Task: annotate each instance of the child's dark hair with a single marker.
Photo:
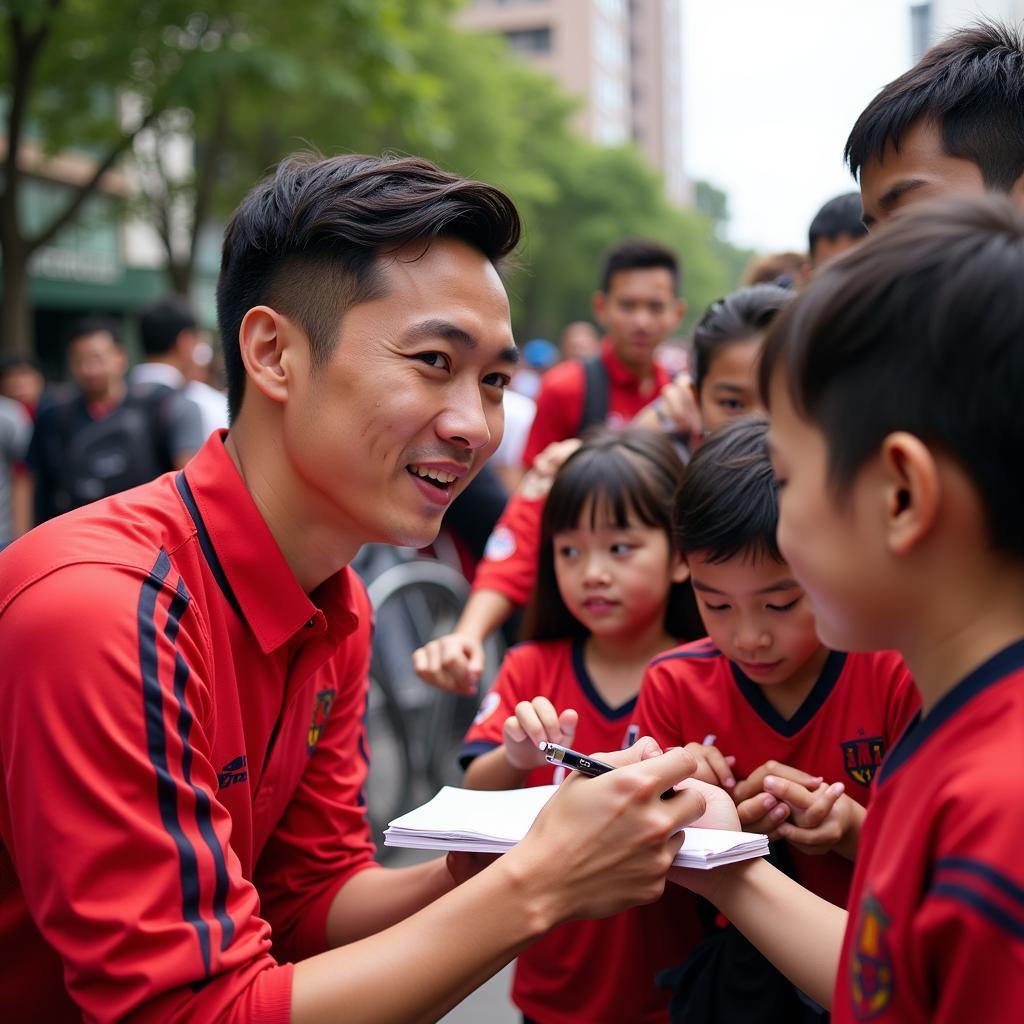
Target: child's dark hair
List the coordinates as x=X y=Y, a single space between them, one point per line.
x=618 y=477
x=728 y=504
x=971 y=84
x=920 y=330
x=161 y=322
x=738 y=316
x=640 y=254
x=841 y=215
x=306 y=240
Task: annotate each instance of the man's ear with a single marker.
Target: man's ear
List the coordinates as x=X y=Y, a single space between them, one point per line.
x=680 y=311
x=600 y=303
x=912 y=491
x=270 y=350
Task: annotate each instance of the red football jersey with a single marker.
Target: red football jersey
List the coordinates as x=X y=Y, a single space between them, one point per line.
x=936 y=928
x=560 y=399
x=585 y=972
x=182 y=757
x=855 y=712
x=509 y=565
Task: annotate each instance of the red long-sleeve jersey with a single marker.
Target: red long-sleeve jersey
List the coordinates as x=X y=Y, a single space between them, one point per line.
x=182 y=757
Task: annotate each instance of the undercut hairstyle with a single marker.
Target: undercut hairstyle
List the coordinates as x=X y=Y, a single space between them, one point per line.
x=971 y=84
x=307 y=241
x=737 y=317
x=640 y=254
x=918 y=330
x=728 y=505
x=614 y=479
x=843 y=215
x=95 y=323
x=161 y=322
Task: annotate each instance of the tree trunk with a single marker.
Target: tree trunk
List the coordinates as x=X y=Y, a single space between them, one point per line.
x=16 y=323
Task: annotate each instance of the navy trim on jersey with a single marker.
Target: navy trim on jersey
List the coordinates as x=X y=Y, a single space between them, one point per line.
x=969 y=866
x=473 y=750
x=204 y=816
x=206 y=544
x=825 y=684
x=590 y=690
x=704 y=649
x=998 y=667
x=156 y=745
x=982 y=904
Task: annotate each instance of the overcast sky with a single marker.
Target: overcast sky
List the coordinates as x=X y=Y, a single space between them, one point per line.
x=771 y=92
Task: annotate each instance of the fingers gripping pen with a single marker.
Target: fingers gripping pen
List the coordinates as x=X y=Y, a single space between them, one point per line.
x=559 y=755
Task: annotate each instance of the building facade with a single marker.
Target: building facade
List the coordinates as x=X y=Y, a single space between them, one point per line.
x=621 y=58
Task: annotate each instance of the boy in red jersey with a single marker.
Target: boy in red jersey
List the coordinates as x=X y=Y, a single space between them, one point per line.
x=896 y=437
x=184 y=665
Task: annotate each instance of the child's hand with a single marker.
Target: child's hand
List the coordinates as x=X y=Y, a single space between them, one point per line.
x=819 y=820
x=759 y=810
x=712 y=766
x=536 y=722
x=753 y=784
x=452 y=662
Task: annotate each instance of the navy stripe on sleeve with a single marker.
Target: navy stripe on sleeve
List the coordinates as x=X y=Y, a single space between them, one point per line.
x=982 y=904
x=968 y=866
x=156 y=743
x=204 y=818
x=471 y=751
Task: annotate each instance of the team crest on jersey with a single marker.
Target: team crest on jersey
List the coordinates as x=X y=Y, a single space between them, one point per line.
x=500 y=545
x=863 y=757
x=487 y=707
x=321 y=712
x=871 y=962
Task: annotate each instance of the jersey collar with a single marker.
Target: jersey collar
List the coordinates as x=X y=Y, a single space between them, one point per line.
x=1002 y=664
x=245 y=560
x=591 y=692
x=622 y=377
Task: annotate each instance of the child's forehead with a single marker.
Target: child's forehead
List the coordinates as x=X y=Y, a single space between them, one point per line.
x=747 y=572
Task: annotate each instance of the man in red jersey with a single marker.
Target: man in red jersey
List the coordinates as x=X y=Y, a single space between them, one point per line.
x=185 y=663
x=900 y=518
x=639 y=307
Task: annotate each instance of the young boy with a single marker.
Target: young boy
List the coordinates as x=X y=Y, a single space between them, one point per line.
x=894 y=385
x=763 y=688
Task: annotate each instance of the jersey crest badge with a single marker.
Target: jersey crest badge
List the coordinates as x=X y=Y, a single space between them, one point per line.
x=871 y=962
x=500 y=545
x=863 y=757
x=487 y=707
x=321 y=712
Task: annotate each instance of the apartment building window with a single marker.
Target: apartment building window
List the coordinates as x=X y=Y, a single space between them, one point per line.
x=530 y=40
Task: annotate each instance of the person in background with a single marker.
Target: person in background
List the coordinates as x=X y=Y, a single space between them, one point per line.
x=579 y=340
x=539 y=355
x=22 y=380
x=836 y=228
x=507 y=461
x=785 y=269
x=15 y=431
x=639 y=306
x=170 y=339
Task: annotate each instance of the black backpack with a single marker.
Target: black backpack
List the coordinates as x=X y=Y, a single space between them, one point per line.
x=127 y=448
x=595 y=393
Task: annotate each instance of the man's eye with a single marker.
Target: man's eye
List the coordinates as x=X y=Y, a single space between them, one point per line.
x=789 y=606
x=438 y=359
x=498 y=380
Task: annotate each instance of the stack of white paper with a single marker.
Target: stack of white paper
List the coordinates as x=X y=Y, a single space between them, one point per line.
x=493 y=821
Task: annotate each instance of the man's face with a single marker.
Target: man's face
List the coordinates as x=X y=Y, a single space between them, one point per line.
x=835 y=548
x=639 y=311
x=97 y=363
x=409 y=405
x=919 y=170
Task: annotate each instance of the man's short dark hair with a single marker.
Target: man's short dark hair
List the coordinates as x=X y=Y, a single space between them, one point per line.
x=306 y=240
x=727 y=505
x=971 y=85
x=161 y=322
x=919 y=329
x=640 y=254
x=95 y=323
x=842 y=215
x=736 y=317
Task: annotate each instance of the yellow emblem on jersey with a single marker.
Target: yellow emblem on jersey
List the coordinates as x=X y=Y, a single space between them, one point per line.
x=871 y=962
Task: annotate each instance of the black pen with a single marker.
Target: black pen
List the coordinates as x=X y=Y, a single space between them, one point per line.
x=556 y=754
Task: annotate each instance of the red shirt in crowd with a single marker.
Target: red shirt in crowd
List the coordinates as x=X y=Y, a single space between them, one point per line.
x=560 y=400
x=182 y=757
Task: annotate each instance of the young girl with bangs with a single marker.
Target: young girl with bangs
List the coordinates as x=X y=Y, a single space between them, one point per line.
x=612 y=592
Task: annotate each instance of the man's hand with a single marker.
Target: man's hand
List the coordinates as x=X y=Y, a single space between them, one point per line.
x=453 y=662
x=712 y=766
x=604 y=844
x=536 y=721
